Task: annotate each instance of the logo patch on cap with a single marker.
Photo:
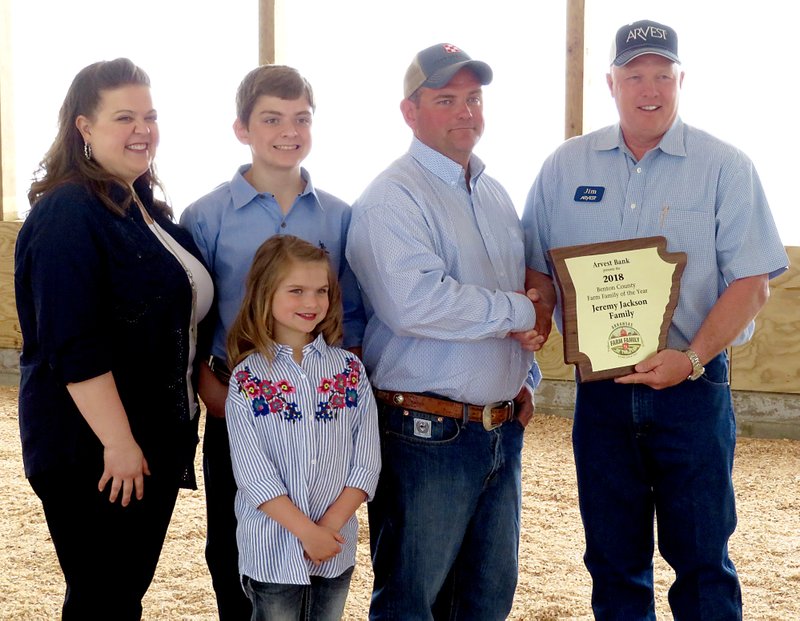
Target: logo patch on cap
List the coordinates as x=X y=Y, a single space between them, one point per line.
x=589 y=194
x=644 y=34
x=644 y=37
x=450 y=48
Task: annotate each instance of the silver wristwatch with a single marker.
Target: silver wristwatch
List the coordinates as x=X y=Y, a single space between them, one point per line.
x=697 y=368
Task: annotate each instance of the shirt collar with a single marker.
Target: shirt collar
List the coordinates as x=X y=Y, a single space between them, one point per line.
x=442 y=166
x=317 y=346
x=672 y=142
x=242 y=193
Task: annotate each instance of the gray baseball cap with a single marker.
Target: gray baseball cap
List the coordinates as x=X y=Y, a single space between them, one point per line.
x=435 y=66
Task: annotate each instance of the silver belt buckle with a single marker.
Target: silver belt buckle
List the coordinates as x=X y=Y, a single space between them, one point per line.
x=487 y=413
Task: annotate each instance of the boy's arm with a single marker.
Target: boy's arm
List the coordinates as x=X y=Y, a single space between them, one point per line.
x=355 y=318
x=192 y=221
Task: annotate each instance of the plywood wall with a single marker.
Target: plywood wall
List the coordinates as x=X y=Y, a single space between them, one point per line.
x=10 y=337
x=770 y=362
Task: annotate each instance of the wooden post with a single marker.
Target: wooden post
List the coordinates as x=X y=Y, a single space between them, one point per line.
x=8 y=191
x=266 y=32
x=573 y=113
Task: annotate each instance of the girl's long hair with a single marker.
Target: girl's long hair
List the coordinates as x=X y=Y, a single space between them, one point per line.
x=253 y=329
x=65 y=161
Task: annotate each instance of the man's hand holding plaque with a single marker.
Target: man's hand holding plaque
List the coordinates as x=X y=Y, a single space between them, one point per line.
x=617 y=300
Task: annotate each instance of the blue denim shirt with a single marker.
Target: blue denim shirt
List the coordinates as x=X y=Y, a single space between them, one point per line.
x=233 y=220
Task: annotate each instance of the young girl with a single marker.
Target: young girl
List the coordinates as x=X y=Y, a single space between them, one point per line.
x=303 y=436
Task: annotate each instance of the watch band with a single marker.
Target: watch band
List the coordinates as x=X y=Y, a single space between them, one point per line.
x=697 y=368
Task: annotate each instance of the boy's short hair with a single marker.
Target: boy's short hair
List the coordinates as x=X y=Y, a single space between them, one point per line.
x=272 y=80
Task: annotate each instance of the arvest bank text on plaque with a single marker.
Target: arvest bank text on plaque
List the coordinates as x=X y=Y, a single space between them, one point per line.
x=617 y=300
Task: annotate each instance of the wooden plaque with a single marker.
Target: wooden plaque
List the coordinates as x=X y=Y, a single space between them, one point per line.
x=617 y=301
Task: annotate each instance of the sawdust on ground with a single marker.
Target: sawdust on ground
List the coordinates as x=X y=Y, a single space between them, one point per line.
x=553 y=583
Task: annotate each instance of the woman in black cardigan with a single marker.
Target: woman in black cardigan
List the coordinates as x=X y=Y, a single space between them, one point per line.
x=109 y=294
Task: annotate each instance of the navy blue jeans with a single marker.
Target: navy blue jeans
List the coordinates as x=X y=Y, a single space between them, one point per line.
x=322 y=600
x=642 y=453
x=445 y=520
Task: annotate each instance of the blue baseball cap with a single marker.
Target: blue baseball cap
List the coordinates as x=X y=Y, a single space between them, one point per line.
x=644 y=37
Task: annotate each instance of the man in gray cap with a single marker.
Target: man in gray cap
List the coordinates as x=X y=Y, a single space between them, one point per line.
x=660 y=441
x=438 y=250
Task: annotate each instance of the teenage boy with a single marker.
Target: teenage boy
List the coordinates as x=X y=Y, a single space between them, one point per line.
x=270 y=196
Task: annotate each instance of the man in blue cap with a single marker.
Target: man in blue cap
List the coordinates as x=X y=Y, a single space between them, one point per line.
x=438 y=251
x=660 y=441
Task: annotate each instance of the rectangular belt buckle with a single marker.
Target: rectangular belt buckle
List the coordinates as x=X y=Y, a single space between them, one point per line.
x=487 y=413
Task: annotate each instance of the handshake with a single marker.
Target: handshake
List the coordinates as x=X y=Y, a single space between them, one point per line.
x=543 y=304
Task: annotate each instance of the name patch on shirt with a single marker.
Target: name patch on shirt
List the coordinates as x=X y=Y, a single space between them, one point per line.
x=589 y=194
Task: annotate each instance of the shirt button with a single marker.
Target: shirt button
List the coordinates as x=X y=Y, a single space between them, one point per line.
x=283 y=225
x=633 y=205
x=313 y=462
x=638 y=170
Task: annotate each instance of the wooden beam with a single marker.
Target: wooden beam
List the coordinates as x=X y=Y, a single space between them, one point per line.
x=266 y=32
x=573 y=113
x=8 y=191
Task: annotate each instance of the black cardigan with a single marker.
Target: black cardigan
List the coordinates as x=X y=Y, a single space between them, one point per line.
x=97 y=292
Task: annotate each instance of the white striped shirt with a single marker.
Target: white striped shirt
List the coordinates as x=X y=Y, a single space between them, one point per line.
x=305 y=431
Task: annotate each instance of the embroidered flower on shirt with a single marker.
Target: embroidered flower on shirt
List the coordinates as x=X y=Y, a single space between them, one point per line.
x=285 y=387
x=323 y=412
x=338 y=393
x=267 y=397
x=260 y=406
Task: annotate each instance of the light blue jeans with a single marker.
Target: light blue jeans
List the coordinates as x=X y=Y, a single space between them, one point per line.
x=641 y=453
x=322 y=600
x=445 y=521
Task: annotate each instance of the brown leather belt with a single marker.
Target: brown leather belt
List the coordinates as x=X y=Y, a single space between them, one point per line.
x=491 y=415
x=219 y=368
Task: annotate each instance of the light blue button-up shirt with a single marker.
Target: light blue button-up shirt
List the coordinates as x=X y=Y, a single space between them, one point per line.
x=699 y=192
x=233 y=220
x=305 y=431
x=440 y=268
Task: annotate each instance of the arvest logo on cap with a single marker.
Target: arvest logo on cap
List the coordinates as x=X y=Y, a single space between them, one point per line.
x=644 y=33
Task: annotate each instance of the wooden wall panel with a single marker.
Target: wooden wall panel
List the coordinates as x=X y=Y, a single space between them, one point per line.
x=770 y=362
x=551 y=359
x=10 y=337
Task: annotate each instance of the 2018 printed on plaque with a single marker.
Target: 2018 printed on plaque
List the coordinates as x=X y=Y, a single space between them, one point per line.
x=617 y=301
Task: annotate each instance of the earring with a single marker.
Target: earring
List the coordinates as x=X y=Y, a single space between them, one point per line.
x=87 y=151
